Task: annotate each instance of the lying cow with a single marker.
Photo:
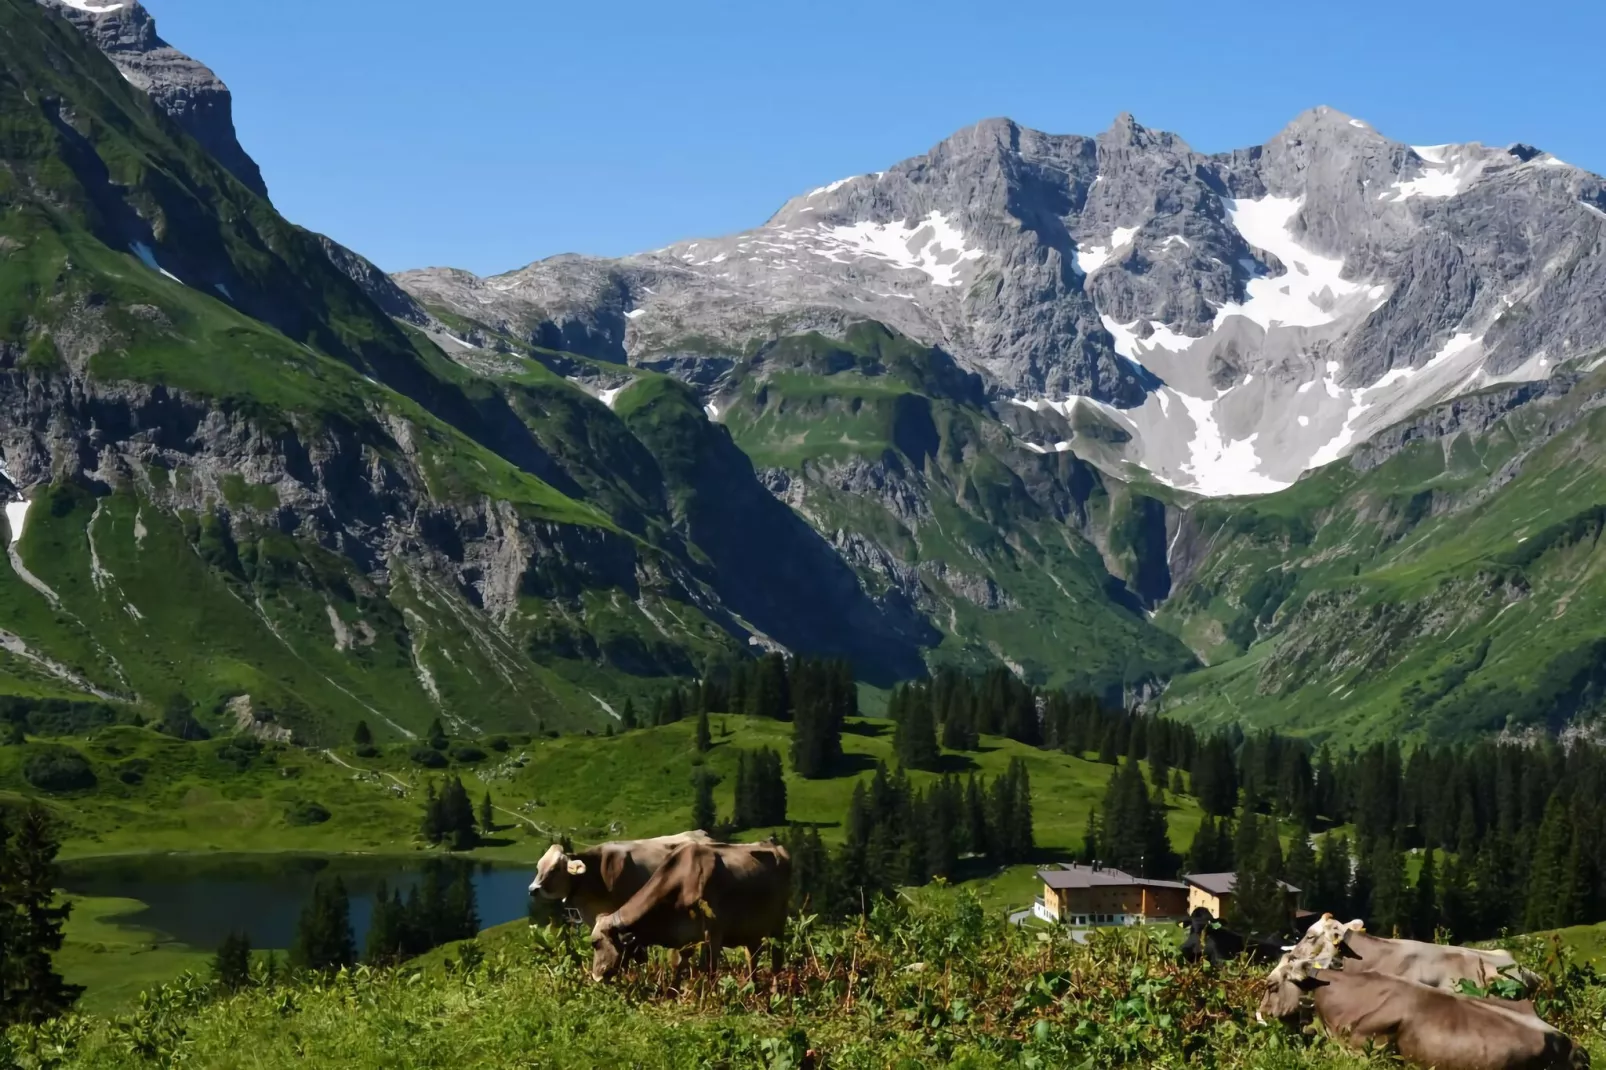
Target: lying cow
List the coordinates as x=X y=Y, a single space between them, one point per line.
x=1208 y=939
x=1425 y=1025
x=1436 y=965
x=604 y=877
x=719 y=895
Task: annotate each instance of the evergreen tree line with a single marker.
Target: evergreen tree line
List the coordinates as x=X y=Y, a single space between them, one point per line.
x=440 y=907
x=760 y=790
x=449 y=816
x=31 y=920
x=898 y=834
x=816 y=696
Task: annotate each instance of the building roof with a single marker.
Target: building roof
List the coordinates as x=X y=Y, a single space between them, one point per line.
x=1222 y=883
x=1076 y=875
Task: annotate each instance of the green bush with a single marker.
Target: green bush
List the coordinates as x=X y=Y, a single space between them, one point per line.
x=57 y=769
x=366 y=750
x=133 y=771
x=306 y=813
x=428 y=757
x=498 y=744
x=467 y=754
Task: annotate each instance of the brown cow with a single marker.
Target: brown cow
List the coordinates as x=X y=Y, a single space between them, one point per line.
x=719 y=895
x=604 y=877
x=1427 y=1026
x=1436 y=965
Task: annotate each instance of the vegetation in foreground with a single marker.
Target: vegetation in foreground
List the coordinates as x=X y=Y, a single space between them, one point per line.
x=910 y=985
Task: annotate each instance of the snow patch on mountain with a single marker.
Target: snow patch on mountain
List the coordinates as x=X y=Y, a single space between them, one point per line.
x=1310 y=292
x=933 y=245
x=1089 y=258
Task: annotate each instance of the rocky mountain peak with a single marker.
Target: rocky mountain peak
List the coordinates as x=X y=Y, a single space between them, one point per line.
x=187 y=90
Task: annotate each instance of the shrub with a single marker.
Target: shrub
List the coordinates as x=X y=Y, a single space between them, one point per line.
x=366 y=750
x=133 y=771
x=58 y=769
x=498 y=743
x=240 y=751
x=306 y=813
x=467 y=753
x=428 y=757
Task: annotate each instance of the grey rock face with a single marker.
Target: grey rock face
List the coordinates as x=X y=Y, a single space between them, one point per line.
x=186 y=89
x=1238 y=317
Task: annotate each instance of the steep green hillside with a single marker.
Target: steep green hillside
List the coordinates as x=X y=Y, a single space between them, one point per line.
x=894 y=451
x=1453 y=589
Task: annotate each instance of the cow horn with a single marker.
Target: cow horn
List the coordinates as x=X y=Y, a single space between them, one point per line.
x=1289 y=947
x=576 y=867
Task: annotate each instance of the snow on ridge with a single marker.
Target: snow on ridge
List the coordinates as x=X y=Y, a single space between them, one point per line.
x=633 y=313
x=832 y=186
x=933 y=245
x=1432 y=153
x=1446 y=175
x=94 y=8
x=1306 y=294
x=1089 y=258
x=607 y=396
x=1220 y=467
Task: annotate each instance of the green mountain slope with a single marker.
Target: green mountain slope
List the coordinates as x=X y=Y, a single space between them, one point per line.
x=250 y=491
x=1453 y=589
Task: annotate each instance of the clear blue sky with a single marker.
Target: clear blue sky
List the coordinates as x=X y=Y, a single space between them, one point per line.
x=485 y=134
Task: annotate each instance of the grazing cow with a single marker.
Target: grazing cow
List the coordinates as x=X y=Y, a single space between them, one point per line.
x=604 y=877
x=719 y=895
x=1208 y=939
x=1436 y=965
x=1425 y=1025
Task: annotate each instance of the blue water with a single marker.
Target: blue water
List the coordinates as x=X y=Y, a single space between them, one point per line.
x=199 y=901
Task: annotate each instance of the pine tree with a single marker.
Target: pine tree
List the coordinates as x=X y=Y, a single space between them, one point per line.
x=436 y=736
x=1211 y=848
x=1177 y=787
x=1299 y=868
x=705 y=739
x=386 y=929
x=1258 y=903
x=487 y=815
x=1330 y=891
x=231 y=968
x=1391 y=900
x=1424 y=915
x=702 y=806
x=31 y=991
x=627 y=719
x=1458 y=909
x=323 y=939
x=914 y=735
x=431 y=827
x=362 y=737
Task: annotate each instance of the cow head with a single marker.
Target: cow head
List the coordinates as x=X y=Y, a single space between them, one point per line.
x=1323 y=942
x=554 y=873
x=1290 y=980
x=611 y=947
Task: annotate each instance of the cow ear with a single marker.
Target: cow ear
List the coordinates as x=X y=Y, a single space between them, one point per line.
x=576 y=867
x=1357 y=926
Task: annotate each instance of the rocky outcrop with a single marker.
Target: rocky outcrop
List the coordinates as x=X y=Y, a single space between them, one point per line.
x=182 y=87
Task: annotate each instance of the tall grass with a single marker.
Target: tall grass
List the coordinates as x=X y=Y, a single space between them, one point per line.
x=911 y=985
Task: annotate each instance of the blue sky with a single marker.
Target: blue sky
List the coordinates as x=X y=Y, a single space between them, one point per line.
x=488 y=134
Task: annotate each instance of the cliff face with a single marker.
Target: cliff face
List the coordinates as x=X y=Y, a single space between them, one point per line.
x=185 y=89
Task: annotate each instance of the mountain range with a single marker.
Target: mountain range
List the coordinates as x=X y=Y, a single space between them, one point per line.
x=1002 y=402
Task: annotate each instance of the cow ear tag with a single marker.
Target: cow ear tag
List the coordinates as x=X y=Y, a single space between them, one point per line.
x=576 y=867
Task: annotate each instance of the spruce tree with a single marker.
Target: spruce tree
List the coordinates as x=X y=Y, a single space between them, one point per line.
x=1549 y=872
x=487 y=814
x=431 y=827
x=1258 y=903
x=704 y=739
x=31 y=991
x=627 y=719
x=1424 y=914
x=702 y=805
x=1177 y=787
x=1391 y=900
x=323 y=939
x=436 y=735
x=1299 y=868
x=362 y=737
x=231 y=967
x=386 y=929
x=1330 y=891
x=914 y=735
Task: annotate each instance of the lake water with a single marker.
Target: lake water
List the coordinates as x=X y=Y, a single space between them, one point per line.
x=199 y=901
